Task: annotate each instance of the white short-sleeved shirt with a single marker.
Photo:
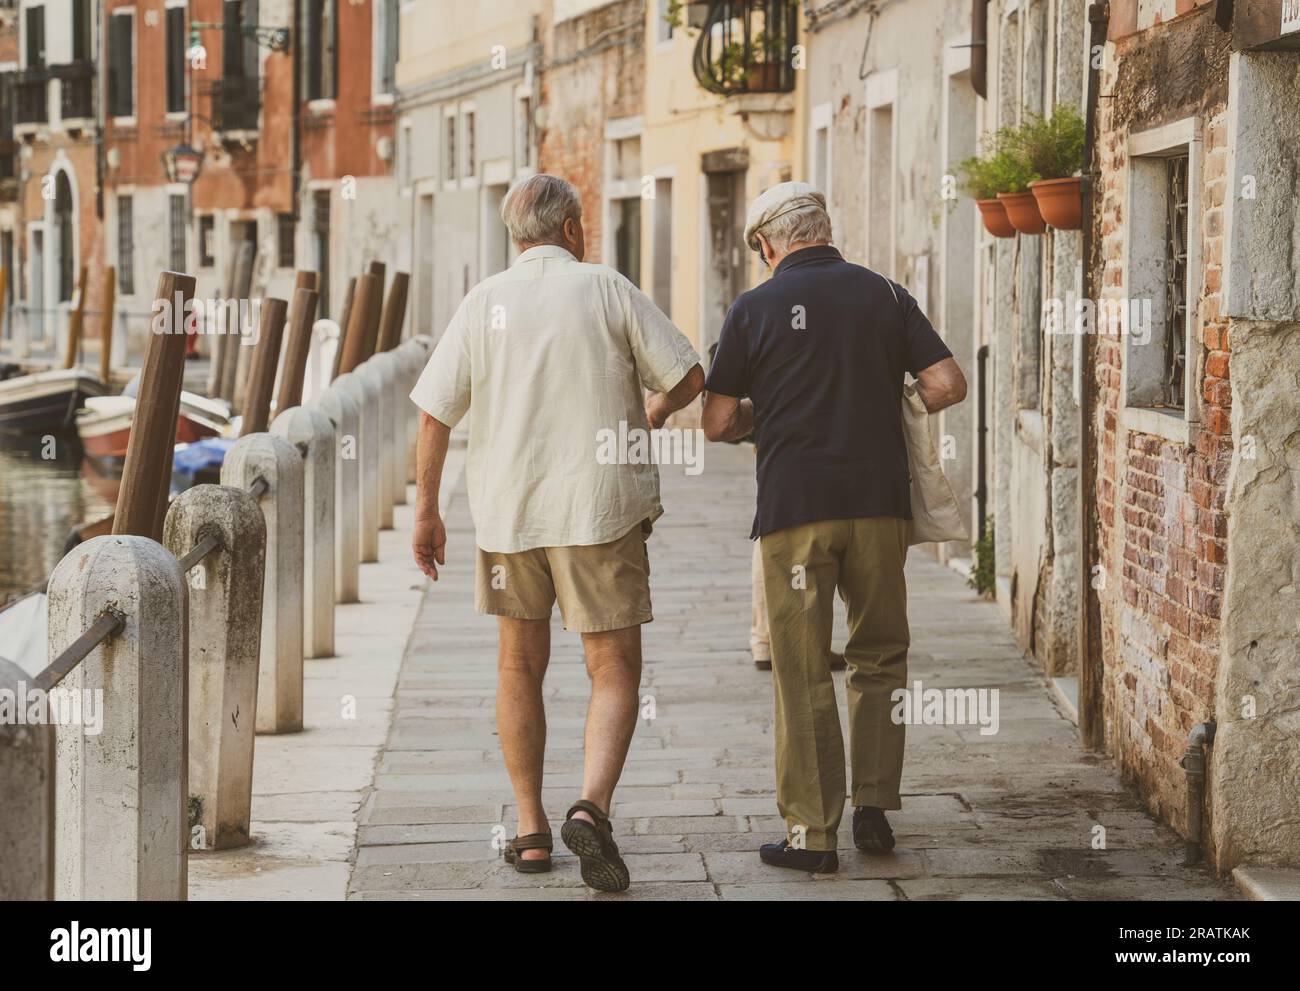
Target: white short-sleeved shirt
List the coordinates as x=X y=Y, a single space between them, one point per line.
x=547 y=357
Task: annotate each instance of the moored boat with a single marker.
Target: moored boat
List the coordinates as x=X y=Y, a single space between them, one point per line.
x=46 y=400
x=105 y=424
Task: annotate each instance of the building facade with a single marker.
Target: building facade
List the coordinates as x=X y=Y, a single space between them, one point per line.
x=1195 y=427
x=1135 y=474
x=591 y=91
x=468 y=87
x=54 y=227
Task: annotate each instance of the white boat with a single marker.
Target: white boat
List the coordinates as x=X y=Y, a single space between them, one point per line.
x=24 y=633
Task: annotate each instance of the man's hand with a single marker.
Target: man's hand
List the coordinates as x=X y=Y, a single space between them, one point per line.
x=659 y=406
x=430 y=538
x=656 y=412
x=429 y=543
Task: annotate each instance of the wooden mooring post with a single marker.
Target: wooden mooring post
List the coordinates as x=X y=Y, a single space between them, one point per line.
x=147 y=472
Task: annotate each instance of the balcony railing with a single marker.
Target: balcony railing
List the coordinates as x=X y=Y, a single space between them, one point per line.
x=747 y=46
x=77 y=90
x=32 y=104
x=236 y=101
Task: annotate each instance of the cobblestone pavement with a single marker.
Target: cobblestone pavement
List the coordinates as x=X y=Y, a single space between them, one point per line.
x=1010 y=815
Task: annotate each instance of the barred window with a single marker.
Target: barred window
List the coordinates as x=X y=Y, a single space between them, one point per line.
x=1175 y=280
x=126 y=244
x=449 y=148
x=470 y=141
x=176 y=211
x=286 y=232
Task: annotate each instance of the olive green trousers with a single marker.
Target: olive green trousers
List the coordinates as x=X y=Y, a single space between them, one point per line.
x=803 y=567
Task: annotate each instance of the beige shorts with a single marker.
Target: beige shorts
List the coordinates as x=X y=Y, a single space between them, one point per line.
x=599 y=588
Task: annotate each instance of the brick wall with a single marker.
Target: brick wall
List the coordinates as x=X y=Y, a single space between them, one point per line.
x=595 y=73
x=1161 y=502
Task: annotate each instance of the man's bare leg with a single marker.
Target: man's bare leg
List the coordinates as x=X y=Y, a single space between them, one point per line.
x=523 y=654
x=614 y=666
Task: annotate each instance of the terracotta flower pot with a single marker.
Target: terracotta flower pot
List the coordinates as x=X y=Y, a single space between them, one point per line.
x=1060 y=201
x=1022 y=211
x=994 y=215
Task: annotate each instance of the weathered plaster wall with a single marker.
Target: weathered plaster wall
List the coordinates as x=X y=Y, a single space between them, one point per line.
x=1254 y=791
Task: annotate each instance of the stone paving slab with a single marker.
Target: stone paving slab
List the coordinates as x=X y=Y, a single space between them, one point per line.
x=1012 y=815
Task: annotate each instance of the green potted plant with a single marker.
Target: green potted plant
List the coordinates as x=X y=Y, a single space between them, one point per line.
x=979 y=183
x=1053 y=148
x=1014 y=174
x=998 y=180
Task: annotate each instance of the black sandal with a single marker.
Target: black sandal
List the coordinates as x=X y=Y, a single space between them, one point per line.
x=602 y=867
x=533 y=841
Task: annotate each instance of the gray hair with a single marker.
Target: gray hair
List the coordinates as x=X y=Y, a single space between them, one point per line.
x=535 y=209
x=805 y=225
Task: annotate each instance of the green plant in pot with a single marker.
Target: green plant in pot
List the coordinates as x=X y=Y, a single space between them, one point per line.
x=1015 y=175
x=1053 y=148
x=999 y=170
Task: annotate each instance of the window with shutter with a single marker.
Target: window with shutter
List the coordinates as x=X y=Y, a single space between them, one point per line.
x=35 y=37
x=121 y=65
x=176 y=60
x=81 y=23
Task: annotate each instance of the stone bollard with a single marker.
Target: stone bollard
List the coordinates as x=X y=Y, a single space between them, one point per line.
x=368 y=453
x=346 y=419
x=400 y=390
x=325 y=335
x=312 y=432
x=377 y=373
x=121 y=829
x=225 y=625
x=419 y=348
x=409 y=364
x=27 y=798
x=279 y=681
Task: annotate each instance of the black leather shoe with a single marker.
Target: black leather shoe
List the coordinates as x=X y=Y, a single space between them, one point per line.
x=871 y=832
x=782 y=854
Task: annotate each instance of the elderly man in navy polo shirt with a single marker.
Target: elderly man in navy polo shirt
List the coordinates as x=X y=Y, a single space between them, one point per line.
x=812 y=362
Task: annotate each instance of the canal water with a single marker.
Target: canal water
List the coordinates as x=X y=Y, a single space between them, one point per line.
x=46 y=489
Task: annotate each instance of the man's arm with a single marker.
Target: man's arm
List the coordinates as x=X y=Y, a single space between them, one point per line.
x=661 y=405
x=727 y=418
x=941 y=385
x=429 y=541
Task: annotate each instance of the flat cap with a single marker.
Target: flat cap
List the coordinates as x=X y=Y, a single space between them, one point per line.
x=777 y=202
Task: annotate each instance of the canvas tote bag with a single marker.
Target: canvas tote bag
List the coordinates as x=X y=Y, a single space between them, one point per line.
x=935 y=516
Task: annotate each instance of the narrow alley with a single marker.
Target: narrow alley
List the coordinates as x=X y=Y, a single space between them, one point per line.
x=1020 y=814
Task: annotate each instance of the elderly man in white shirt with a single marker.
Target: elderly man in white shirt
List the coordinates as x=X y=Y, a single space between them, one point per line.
x=545 y=358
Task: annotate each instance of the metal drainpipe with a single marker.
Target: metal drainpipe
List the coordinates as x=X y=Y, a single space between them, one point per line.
x=1193 y=764
x=1091 y=716
x=981 y=457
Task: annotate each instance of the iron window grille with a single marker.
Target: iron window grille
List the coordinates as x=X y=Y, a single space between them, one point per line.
x=1176 y=170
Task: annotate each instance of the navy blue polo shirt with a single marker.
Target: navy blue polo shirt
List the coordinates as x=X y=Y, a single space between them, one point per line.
x=821 y=349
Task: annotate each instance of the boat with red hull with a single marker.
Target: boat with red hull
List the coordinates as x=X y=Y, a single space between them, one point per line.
x=105 y=424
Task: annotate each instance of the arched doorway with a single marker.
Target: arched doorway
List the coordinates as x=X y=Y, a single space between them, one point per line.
x=65 y=225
